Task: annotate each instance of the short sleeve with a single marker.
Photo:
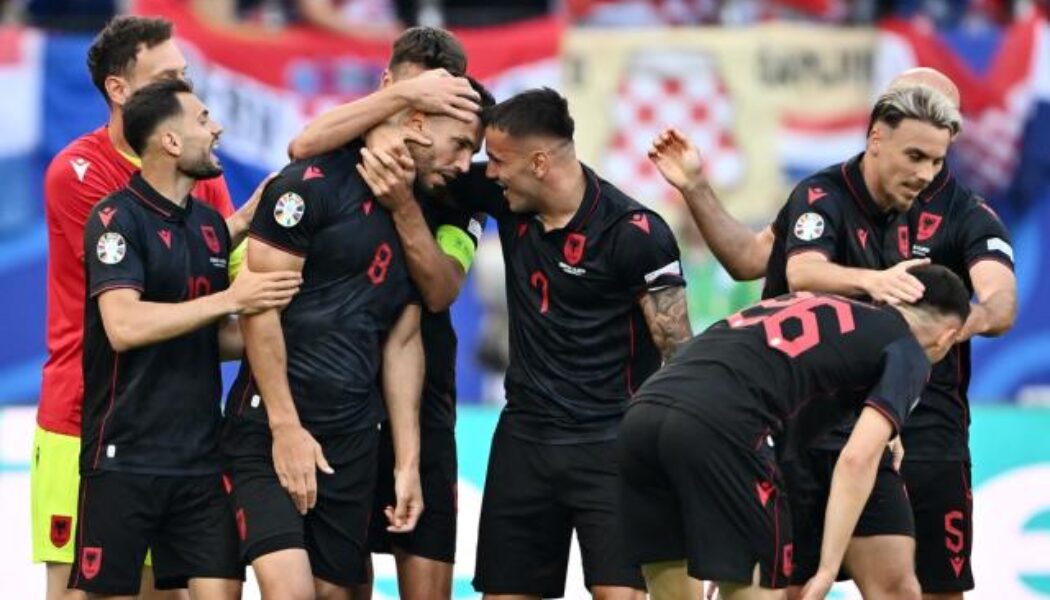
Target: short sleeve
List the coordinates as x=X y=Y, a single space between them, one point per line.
x=905 y=371
x=982 y=236
x=70 y=195
x=646 y=254
x=113 y=249
x=289 y=214
x=814 y=219
x=476 y=192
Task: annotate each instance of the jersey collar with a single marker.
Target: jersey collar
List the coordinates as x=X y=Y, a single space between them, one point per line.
x=155 y=201
x=592 y=196
x=859 y=192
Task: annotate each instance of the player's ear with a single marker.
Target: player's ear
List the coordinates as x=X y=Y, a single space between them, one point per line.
x=875 y=139
x=117 y=90
x=416 y=120
x=540 y=163
x=170 y=142
x=386 y=79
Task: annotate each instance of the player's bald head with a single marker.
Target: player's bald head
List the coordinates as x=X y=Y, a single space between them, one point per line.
x=928 y=77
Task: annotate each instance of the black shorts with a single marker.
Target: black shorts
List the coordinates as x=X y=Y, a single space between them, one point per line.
x=943 y=505
x=185 y=520
x=334 y=532
x=435 y=535
x=808 y=479
x=688 y=492
x=535 y=496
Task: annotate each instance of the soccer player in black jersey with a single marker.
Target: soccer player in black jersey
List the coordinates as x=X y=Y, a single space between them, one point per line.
x=949 y=225
x=439 y=240
x=700 y=474
x=596 y=302
x=154 y=333
x=320 y=395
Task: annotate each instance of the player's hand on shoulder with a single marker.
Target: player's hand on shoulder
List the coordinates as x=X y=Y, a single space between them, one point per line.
x=895 y=285
x=389 y=176
x=296 y=458
x=678 y=160
x=252 y=292
x=438 y=92
x=408 y=493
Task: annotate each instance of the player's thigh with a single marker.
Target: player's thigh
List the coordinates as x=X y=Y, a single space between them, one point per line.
x=883 y=567
x=265 y=516
x=589 y=486
x=119 y=515
x=336 y=529
x=888 y=511
x=942 y=502
x=434 y=537
x=670 y=580
x=54 y=474
x=284 y=574
x=808 y=479
x=199 y=537
x=524 y=534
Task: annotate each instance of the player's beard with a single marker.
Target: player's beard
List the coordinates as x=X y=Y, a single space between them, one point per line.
x=204 y=168
x=423 y=158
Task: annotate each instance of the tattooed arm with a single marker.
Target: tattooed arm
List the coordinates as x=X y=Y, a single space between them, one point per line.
x=666 y=314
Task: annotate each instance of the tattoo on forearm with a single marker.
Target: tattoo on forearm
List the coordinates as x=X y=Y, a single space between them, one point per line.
x=668 y=318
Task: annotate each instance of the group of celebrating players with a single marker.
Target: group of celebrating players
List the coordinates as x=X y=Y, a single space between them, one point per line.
x=757 y=455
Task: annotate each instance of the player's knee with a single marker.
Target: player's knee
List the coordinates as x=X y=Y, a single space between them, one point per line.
x=905 y=587
x=292 y=590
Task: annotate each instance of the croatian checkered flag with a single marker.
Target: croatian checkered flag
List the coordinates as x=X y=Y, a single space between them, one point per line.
x=660 y=89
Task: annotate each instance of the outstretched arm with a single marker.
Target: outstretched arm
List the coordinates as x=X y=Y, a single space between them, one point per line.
x=741 y=251
x=434 y=92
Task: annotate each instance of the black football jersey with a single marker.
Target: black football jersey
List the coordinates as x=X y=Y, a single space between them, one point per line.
x=438 y=405
x=579 y=343
x=355 y=286
x=794 y=367
x=955 y=228
x=153 y=409
x=833 y=212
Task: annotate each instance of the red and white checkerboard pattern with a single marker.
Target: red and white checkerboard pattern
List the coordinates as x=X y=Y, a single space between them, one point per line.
x=662 y=89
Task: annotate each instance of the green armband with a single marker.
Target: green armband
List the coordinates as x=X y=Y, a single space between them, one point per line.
x=233 y=266
x=455 y=242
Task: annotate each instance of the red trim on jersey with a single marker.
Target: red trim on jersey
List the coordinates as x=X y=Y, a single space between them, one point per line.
x=109 y=410
x=885 y=413
x=817 y=249
x=117 y=286
x=776 y=537
x=275 y=245
x=148 y=202
x=594 y=204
